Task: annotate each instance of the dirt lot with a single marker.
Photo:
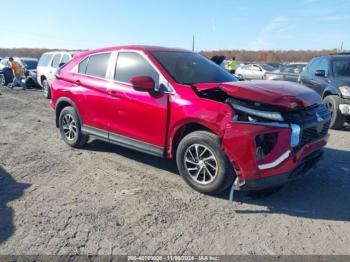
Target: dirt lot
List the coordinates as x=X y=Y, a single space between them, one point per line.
x=105 y=199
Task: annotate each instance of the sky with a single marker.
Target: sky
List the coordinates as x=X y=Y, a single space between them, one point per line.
x=217 y=25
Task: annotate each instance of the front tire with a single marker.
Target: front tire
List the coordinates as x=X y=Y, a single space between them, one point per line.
x=332 y=103
x=70 y=128
x=46 y=89
x=203 y=164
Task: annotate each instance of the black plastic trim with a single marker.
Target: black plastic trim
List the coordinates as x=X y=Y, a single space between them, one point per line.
x=123 y=141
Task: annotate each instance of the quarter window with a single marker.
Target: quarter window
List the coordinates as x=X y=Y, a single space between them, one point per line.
x=97 y=65
x=130 y=64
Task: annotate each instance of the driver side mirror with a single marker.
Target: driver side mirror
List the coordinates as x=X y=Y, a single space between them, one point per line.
x=143 y=83
x=61 y=64
x=321 y=73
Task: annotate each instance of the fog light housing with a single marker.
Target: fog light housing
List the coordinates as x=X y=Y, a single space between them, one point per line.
x=265 y=143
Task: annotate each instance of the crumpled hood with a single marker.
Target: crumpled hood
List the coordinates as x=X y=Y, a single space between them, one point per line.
x=284 y=94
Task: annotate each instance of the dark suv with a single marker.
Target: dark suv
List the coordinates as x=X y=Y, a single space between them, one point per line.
x=329 y=75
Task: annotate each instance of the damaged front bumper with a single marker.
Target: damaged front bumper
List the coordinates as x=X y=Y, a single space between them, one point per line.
x=287 y=160
x=305 y=164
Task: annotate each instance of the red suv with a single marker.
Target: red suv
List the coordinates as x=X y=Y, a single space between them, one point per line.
x=178 y=104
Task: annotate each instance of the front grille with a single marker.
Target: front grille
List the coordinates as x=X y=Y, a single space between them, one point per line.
x=307 y=117
x=311 y=134
x=314 y=122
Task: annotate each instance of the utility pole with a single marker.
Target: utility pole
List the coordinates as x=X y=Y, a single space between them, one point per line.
x=193 y=43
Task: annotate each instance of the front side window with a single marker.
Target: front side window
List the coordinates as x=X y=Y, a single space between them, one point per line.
x=130 y=64
x=45 y=60
x=56 y=60
x=341 y=68
x=312 y=67
x=191 y=68
x=97 y=65
x=323 y=65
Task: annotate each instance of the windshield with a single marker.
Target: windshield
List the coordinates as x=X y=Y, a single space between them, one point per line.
x=341 y=68
x=192 y=68
x=267 y=67
x=30 y=64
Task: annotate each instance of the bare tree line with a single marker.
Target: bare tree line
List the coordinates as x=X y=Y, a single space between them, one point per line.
x=26 y=52
x=268 y=56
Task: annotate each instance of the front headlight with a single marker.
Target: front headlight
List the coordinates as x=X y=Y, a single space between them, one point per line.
x=345 y=91
x=275 y=116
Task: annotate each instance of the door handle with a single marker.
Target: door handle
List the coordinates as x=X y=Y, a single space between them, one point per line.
x=77 y=82
x=113 y=93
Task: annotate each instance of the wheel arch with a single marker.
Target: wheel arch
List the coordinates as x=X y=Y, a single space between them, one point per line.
x=42 y=78
x=183 y=130
x=62 y=103
x=330 y=91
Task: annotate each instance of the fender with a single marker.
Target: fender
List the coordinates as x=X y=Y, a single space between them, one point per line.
x=330 y=90
x=59 y=106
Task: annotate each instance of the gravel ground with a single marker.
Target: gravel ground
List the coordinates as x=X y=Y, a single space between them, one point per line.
x=106 y=199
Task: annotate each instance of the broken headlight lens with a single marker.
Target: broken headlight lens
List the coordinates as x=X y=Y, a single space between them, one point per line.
x=252 y=113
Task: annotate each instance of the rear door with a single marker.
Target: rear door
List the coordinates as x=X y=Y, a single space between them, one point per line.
x=91 y=87
x=53 y=67
x=44 y=66
x=137 y=115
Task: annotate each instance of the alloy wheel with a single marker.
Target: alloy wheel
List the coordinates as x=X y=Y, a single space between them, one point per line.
x=200 y=163
x=69 y=127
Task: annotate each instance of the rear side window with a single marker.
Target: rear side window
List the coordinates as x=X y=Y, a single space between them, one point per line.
x=131 y=64
x=65 y=59
x=45 y=60
x=56 y=60
x=97 y=65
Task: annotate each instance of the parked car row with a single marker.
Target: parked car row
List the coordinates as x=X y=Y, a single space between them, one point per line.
x=37 y=74
x=29 y=66
x=287 y=72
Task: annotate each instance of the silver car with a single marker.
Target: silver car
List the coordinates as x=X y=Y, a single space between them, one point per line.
x=253 y=71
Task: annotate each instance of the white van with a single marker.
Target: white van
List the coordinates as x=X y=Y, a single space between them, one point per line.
x=47 y=67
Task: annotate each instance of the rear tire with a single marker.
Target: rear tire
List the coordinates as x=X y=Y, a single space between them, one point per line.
x=30 y=83
x=46 y=89
x=70 y=128
x=332 y=103
x=203 y=164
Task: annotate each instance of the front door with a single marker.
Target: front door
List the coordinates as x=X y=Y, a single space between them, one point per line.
x=137 y=118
